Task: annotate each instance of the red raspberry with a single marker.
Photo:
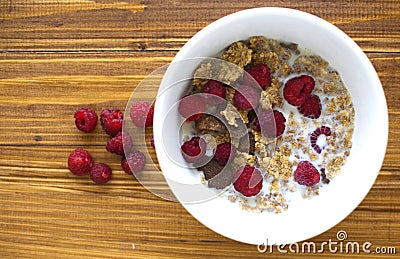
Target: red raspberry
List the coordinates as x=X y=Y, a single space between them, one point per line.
x=324 y=130
x=306 y=174
x=311 y=108
x=298 y=89
x=85 y=119
x=246 y=97
x=191 y=107
x=194 y=149
x=271 y=124
x=141 y=114
x=216 y=88
x=261 y=73
x=80 y=162
x=117 y=143
x=111 y=121
x=134 y=162
x=224 y=153
x=100 y=173
x=248 y=180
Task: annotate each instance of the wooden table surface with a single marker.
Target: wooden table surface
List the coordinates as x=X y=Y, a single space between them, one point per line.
x=56 y=56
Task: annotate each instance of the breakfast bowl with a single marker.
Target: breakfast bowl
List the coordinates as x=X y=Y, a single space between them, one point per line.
x=305 y=218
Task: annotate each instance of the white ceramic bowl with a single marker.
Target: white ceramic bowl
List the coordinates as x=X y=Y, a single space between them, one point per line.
x=307 y=218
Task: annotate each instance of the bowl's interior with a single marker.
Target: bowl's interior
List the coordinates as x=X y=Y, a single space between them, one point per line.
x=348 y=189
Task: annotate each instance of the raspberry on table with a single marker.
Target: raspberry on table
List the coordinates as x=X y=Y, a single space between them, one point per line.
x=246 y=97
x=86 y=119
x=311 y=108
x=117 y=143
x=142 y=114
x=134 y=162
x=194 y=149
x=323 y=130
x=261 y=74
x=298 y=89
x=272 y=124
x=100 y=173
x=224 y=153
x=191 y=107
x=111 y=121
x=80 y=162
x=216 y=92
x=248 y=180
x=306 y=174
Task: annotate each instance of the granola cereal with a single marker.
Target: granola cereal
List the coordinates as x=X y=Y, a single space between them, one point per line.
x=317 y=122
x=237 y=53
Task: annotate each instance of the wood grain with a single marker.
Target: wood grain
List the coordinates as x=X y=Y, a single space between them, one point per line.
x=167 y=25
x=54 y=55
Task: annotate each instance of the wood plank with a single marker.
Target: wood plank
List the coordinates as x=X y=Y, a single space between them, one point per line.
x=40 y=92
x=56 y=56
x=37 y=217
x=81 y=24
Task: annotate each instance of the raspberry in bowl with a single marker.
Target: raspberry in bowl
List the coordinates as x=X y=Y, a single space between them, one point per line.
x=304 y=108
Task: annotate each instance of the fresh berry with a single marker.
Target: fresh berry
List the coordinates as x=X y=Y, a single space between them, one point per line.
x=224 y=153
x=261 y=73
x=324 y=130
x=100 y=173
x=111 y=121
x=152 y=142
x=215 y=91
x=191 y=107
x=125 y=166
x=311 y=108
x=246 y=97
x=141 y=114
x=80 y=162
x=194 y=149
x=248 y=181
x=306 y=174
x=298 y=89
x=134 y=162
x=116 y=144
x=271 y=124
x=85 y=119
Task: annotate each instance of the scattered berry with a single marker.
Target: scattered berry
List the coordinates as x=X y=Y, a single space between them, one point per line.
x=117 y=143
x=246 y=97
x=85 y=119
x=213 y=87
x=152 y=142
x=261 y=73
x=271 y=123
x=125 y=166
x=248 y=180
x=224 y=153
x=100 y=173
x=191 y=107
x=194 y=149
x=141 y=114
x=134 y=162
x=324 y=130
x=311 y=108
x=80 y=162
x=306 y=174
x=298 y=89
x=111 y=121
